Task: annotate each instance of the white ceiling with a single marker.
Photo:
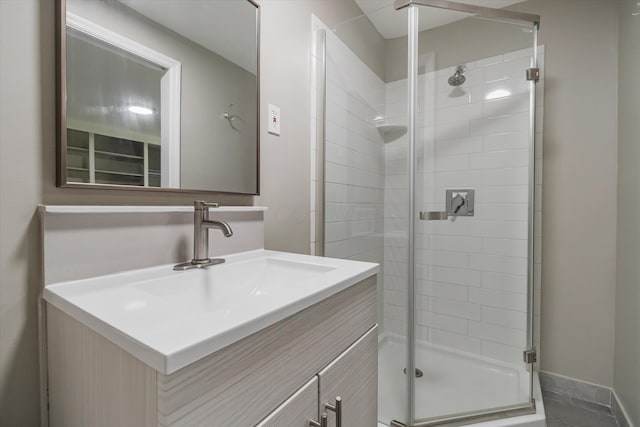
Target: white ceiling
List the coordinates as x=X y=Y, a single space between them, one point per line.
x=222 y=26
x=391 y=23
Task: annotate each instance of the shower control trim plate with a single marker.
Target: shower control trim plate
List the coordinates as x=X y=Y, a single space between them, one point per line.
x=460 y=202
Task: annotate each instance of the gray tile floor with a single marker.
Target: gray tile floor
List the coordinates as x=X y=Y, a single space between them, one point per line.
x=564 y=411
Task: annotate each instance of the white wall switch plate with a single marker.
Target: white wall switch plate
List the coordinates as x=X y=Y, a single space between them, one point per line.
x=274 y=120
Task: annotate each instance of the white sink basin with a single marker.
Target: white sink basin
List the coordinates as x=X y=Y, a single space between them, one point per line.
x=169 y=319
x=231 y=286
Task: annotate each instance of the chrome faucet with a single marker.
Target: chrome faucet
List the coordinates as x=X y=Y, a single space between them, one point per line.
x=201 y=226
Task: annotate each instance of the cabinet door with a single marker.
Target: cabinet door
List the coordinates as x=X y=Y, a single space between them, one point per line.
x=353 y=376
x=297 y=410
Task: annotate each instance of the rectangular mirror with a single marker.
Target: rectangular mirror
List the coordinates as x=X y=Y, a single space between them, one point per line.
x=158 y=94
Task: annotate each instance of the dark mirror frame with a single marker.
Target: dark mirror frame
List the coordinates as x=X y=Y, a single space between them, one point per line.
x=61 y=115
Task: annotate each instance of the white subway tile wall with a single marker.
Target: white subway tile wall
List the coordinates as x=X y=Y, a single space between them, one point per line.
x=353 y=160
x=471 y=290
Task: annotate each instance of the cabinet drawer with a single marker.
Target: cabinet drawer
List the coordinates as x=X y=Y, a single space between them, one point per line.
x=241 y=384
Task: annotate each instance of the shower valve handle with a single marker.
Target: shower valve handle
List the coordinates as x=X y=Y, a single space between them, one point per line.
x=434 y=215
x=460 y=204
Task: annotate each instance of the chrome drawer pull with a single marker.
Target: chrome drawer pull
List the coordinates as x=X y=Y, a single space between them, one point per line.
x=322 y=423
x=337 y=408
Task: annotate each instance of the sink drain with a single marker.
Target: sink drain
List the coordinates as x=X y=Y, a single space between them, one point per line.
x=419 y=372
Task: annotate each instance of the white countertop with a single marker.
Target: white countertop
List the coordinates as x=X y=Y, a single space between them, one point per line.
x=169 y=319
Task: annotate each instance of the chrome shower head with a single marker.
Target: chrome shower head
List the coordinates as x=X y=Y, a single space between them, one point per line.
x=457 y=79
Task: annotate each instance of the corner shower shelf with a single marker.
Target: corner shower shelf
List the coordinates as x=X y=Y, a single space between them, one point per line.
x=391 y=133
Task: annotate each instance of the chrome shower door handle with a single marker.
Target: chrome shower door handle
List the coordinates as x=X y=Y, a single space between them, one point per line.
x=434 y=215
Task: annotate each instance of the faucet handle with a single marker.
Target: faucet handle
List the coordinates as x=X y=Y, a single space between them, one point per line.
x=202 y=205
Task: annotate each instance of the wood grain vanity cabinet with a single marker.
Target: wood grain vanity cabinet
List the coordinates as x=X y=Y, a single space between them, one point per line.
x=352 y=378
x=283 y=375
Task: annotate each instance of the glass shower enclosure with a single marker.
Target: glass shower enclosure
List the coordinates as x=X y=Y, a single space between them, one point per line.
x=427 y=165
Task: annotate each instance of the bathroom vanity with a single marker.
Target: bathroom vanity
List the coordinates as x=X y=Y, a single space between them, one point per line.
x=267 y=338
x=326 y=350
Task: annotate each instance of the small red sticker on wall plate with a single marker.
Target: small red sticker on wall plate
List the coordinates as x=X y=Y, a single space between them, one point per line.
x=274 y=120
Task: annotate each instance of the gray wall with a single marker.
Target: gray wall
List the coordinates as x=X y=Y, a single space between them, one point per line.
x=627 y=350
x=27 y=166
x=213 y=155
x=579 y=190
x=21 y=135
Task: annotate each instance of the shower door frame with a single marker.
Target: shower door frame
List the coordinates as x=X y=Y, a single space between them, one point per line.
x=413 y=30
x=482 y=11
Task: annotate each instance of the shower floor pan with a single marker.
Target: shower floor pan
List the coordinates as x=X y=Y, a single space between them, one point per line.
x=453 y=382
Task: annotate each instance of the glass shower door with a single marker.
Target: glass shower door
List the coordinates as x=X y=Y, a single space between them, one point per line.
x=407 y=140
x=471 y=130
